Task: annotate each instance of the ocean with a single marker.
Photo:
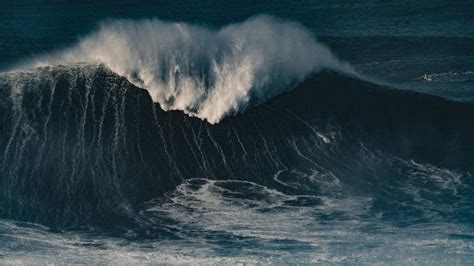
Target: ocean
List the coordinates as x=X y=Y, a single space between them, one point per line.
x=242 y=132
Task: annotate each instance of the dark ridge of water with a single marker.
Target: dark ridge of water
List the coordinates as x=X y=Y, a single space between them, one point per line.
x=82 y=145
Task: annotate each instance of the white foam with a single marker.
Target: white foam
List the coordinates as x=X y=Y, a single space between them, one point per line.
x=207 y=73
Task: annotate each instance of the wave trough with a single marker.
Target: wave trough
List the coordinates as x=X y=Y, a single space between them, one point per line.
x=205 y=72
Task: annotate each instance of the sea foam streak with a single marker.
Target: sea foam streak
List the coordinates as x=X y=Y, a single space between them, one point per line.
x=207 y=73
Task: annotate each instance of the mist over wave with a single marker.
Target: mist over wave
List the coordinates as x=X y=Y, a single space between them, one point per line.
x=205 y=72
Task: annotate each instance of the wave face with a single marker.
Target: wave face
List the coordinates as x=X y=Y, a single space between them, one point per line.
x=82 y=145
x=205 y=72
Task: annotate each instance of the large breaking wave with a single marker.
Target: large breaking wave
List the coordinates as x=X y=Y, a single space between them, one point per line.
x=208 y=73
x=335 y=160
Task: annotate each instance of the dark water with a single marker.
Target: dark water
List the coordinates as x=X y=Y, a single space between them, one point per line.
x=307 y=159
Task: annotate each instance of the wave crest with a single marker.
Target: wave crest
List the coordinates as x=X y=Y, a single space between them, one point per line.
x=207 y=73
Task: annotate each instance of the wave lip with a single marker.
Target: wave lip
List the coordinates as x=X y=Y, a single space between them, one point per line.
x=207 y=73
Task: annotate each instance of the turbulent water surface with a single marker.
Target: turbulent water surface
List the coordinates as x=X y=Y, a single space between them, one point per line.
x=206 y=133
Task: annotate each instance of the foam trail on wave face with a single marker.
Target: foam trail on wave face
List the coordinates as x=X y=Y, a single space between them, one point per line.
x=208 y=73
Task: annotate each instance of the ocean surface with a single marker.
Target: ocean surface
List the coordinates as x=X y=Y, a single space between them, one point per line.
x=242 y=132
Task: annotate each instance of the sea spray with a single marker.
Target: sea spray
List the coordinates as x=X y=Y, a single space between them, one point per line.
x=205 y=72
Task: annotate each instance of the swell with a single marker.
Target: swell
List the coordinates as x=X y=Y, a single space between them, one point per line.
x=205 y=72
x=81 y=144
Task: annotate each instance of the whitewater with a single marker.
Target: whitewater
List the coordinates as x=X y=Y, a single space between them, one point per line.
x=206 y=72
